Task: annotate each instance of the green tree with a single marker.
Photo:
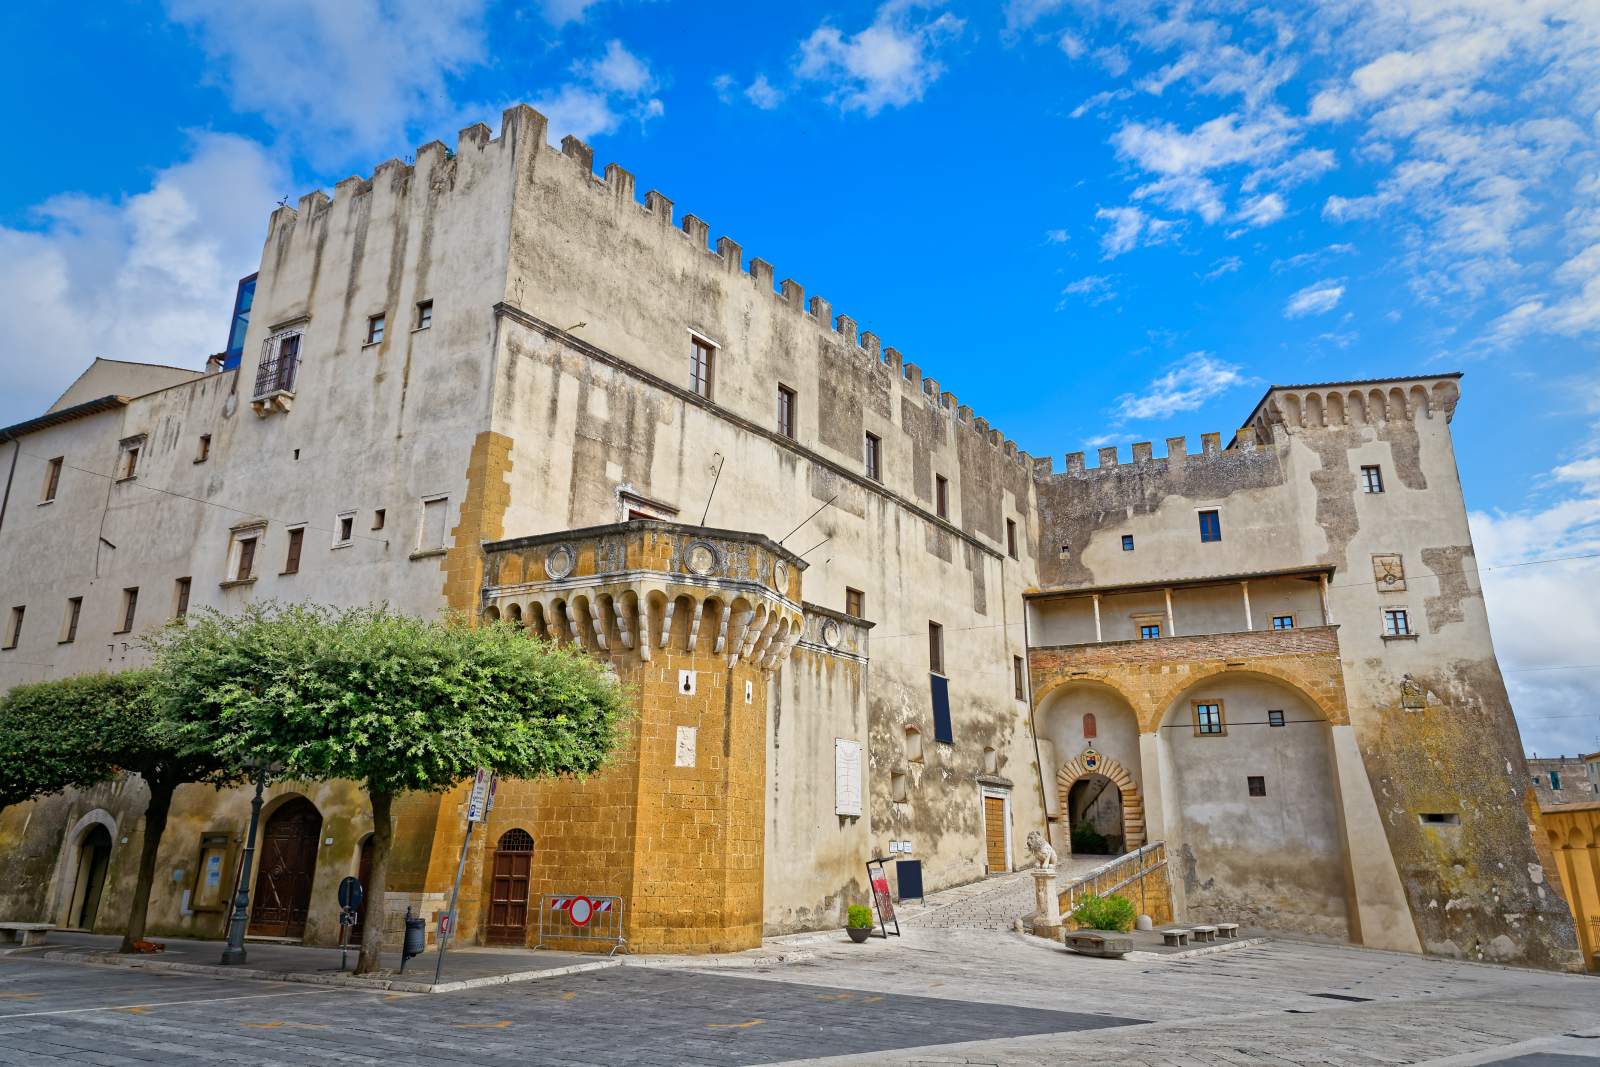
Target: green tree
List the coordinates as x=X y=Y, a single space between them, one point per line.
x=397 y=703
x=79 y=732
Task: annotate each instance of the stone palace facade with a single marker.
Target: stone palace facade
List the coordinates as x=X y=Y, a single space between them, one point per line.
x=861 y=622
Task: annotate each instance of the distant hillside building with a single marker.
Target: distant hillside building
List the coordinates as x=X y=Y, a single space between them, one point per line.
x=861 y=621
x=1565 y=779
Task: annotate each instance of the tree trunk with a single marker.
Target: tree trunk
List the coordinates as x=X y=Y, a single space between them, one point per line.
x=377 y=883
x=155 y=824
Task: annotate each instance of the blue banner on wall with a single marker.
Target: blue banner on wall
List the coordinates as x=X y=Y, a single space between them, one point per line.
x=941 y=709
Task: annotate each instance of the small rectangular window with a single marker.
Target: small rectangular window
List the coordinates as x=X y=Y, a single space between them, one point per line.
x=377 y=519
x=291 y=561
x=344 y=528
x=1256 y=784
x=874 y=457
x=247 y=560
x=280 y=364
x=1555 y=780
x=785 y=411
x=14 y=626
x=180 y=598
x=69 y=625
x=128 y=458
x=1208 y=721
x=700 y=366
x=1017 y=674
x=1439 y=818
x=1127 y=542
x=1210 y=526
x=424 y=314
x=434 y=516
x=935 y=648
x=1372 y=479
x=1395 y=622
x=375 y=326
x=130 y=608
x=1011 y=538
x=855 y=603
x=941 y=495
x=1283 y=622
x=1149 y=631
x=1274 y=718
x=52 y=478
x=203 y=453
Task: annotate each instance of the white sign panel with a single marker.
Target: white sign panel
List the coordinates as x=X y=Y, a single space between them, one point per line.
x=846 y=776
x=686 y=743
x=482 y=791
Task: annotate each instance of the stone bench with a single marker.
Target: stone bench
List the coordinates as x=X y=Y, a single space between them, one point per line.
x=1175 y=938
x=1228 y=931
x=24 y=934
x=1202 y=934
x=1108 y=944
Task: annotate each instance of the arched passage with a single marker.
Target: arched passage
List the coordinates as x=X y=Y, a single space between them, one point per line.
x=1254 y=826
x=288 y=857
x=1090 y=728
x=509 y=881
x=1115 y=776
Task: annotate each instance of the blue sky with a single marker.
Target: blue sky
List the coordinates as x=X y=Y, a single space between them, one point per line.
x=1144 y=212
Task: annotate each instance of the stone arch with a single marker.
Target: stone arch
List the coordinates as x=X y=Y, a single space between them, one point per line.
x=1102 y=680
x=1331 y=706
x=1132 y=800
x=65 y=878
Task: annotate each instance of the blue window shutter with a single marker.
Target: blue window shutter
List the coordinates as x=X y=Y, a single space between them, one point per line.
x=941 y=709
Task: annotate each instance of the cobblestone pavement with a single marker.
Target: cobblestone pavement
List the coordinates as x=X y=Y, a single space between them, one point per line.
x=932 y=997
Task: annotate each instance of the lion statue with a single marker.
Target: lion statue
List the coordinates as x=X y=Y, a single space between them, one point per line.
x=1042 y=850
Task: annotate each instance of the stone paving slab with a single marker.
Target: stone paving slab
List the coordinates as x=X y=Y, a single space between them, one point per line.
x=468 y=967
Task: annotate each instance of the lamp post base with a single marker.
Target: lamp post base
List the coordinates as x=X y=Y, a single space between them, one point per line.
x=233 y=955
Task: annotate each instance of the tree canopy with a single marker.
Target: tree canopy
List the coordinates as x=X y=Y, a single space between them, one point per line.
x=397 y=703
x=86 y=730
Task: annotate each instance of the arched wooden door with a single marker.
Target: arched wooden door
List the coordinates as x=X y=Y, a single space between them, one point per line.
x=508 y=889
x=288 y=856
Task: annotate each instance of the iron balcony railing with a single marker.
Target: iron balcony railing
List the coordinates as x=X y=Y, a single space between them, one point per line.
x=278 y=368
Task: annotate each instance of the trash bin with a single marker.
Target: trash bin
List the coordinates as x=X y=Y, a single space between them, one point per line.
x=416 y=939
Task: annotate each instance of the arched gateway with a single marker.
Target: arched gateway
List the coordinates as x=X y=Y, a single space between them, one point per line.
x=1132 y=801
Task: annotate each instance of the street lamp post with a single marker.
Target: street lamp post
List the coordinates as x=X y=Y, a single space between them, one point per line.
x=235 y=953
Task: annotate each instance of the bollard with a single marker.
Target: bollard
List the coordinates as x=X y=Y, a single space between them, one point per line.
x=416 y=939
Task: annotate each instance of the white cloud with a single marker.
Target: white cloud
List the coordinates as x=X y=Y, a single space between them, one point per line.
x=148 y=277
x=1523 y=600
x=1315 y=299
x=1072 y=45
x=1057 y=237
x=1223 y=141
x=1094 y=289
x=620 y=71
x=1226 y=265
x=890 y=63
x=344 y=80
x=1186 y=386
x=763 y=94
x=1129 y=228
x=561 y=12
x=1262 y=210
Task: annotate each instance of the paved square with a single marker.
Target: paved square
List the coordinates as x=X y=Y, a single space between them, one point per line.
x=936 y=996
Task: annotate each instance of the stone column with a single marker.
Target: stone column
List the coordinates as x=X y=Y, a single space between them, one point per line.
x=1047 y=903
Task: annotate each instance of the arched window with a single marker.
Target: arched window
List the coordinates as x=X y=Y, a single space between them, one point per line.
x=515 y=841
x=913 y=745
x=1089 y=728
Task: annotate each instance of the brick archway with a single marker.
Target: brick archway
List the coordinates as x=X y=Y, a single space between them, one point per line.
x=1133 y=833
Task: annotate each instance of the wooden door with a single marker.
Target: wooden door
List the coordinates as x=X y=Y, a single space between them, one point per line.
x=994 y=833
x=288 y=855
x=364 y=876
x=508 y=889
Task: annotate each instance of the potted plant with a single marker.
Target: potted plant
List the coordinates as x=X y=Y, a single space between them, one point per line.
x=859 y=924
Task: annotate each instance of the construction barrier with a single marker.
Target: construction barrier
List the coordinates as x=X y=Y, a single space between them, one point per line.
x=565 y=917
